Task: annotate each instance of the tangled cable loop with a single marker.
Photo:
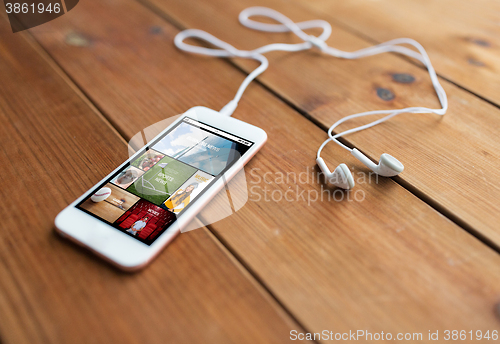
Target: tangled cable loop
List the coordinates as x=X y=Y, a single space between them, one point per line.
x=318 y=43
x=285 y=24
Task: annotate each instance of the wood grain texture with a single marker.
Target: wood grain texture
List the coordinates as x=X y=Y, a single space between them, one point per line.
x=388 y=262
x=462 y=37
x=53 y=148
x=452 y=161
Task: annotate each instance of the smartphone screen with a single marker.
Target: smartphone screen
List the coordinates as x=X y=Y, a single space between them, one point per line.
x=150 y=192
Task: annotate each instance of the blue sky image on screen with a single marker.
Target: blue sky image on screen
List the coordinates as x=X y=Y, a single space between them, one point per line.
x=198 y=148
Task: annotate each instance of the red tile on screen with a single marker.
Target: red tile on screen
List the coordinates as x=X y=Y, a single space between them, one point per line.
x=145 y=220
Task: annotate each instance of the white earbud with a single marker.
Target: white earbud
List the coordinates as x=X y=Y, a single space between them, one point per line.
x=388 y=165
x=341 y=177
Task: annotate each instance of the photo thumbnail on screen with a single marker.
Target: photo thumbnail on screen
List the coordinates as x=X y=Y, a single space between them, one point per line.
x=198 y=148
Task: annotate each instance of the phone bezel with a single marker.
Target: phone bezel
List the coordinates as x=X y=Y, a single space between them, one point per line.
x=125 y=251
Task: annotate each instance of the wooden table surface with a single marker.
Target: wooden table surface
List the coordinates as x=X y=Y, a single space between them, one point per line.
x=419 y=253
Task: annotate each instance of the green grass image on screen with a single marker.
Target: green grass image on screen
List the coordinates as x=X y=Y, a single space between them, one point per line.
x=157 y=184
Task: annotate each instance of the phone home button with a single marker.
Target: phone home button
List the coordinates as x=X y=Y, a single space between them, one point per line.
x=98 y=239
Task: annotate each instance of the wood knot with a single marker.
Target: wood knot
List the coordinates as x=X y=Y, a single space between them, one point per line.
x=480 y=42
x=385 y=94
x=475 y=62
x=155 y=30
x=403 y=78
x=76 y=39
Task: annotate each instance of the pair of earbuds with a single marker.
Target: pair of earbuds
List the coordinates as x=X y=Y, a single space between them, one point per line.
x=388 y=166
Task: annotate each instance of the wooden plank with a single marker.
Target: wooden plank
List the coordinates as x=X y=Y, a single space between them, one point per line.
x=451 y=161
x=462 y=37
x=53 y=148
x=388 y=262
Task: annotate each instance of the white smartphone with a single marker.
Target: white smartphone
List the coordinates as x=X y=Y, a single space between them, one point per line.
x=134 y=212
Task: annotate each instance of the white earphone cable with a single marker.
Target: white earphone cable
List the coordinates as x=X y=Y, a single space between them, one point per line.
x=287 y=25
